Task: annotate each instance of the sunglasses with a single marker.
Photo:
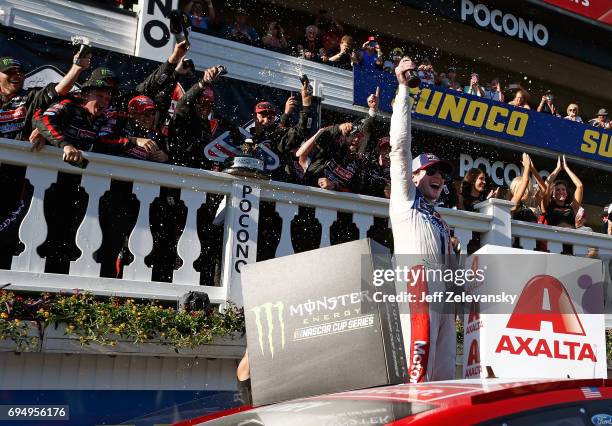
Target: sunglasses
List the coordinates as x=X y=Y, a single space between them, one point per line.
x=573 y=110
x=431 y=171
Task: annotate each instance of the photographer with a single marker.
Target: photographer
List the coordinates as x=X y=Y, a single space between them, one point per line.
x=377 y=177
x=197 y=17
x=546 y=104
x=474 y=88
x=346 y=57
x=371 y=54
x=495 y=93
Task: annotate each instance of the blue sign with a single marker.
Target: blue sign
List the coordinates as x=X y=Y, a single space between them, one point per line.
x=487 y=117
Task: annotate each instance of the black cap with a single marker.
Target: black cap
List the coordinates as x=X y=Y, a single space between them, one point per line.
x=103 y=73
x=94 y=83
x=7 y=62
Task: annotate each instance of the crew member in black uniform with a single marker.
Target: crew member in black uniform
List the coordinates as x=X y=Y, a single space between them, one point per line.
x=17 y=106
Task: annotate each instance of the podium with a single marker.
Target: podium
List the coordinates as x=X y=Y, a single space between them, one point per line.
x=313 y=326
x=553 y=329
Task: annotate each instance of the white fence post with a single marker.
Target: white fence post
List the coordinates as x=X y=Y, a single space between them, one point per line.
x=500 y=233
x=240 y=240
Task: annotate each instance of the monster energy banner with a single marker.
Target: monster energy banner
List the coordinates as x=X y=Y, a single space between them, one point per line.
x=312 y=326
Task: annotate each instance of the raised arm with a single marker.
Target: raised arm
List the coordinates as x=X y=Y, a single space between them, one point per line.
x=578 y=194
x=518 y=195
x=400 y=140
x=306 y=148
x=550 y=186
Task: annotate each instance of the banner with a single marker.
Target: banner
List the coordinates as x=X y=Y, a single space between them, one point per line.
x=487 y=117
x=597 y=10
x=529 y=23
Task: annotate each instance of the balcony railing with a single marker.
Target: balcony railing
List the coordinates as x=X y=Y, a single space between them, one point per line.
x=27 y=269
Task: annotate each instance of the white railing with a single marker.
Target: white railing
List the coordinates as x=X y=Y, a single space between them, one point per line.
x=27 y=269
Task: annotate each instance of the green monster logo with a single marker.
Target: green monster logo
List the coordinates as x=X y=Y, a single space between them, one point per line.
x=267 y=310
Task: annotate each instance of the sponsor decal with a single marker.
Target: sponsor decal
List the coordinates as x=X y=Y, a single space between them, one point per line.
x=545 y=299
x=501 y=173
x=266 y=315
x=591 y=392
x=596 y=142
x=602 y=419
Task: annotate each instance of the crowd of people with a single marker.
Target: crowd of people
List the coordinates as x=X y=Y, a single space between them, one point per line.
x=346 y=157
x=326 y=41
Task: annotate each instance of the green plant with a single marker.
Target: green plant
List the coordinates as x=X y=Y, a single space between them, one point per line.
x=105 y=321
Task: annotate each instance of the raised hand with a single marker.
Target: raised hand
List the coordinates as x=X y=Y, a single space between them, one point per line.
x=402 y=68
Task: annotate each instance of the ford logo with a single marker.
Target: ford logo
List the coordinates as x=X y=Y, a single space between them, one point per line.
x=601 y=419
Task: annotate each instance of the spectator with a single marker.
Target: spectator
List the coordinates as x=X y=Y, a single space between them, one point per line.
x=377 y=179
x=601 y=120
x=473 y=189
x=74 y=124
x=474 y=88
x=197 y=17
x=520 y=99
x=311 y=47
x=441 y=81
x=426 y=72
x=581 y=219
x=134 y=133
x=18 y=104
x=346 y=57
x=371 y=54
x=396 y=55
x=521 y=194
x=275 y=39
x=572 y=113
x=546 y=104
x=453 y=84
x=190 y=129
x=609 y=219
x=282 y=140
x=330 y=32
x=337 y=153
x=494 y=92
x=559 y=208
x=240 y=30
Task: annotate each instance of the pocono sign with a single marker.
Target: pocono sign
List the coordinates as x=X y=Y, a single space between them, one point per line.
x=153 y=39
x=501 y=173
x=505 y=23
x=241 y=239
x=548 y=333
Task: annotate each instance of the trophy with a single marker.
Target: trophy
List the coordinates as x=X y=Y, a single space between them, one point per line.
x=248 y=163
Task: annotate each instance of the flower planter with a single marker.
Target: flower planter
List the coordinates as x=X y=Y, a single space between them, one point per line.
x=55 y=340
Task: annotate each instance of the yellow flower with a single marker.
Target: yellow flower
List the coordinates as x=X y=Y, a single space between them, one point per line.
x=46 y=314
x=17 y=322
x=4 y=315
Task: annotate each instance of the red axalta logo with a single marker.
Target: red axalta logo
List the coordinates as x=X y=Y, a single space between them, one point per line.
x=473 y=368
x=545 y=299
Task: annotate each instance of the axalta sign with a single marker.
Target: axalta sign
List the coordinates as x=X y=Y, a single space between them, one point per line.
x=547 y=333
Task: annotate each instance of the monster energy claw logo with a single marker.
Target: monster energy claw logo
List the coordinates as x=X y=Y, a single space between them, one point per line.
x=267 y=310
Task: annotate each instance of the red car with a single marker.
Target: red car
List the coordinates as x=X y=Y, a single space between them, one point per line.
x=462 y=402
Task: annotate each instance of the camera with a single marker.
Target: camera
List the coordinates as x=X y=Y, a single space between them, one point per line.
x=180 y=26
x=222 y=70
x=304 y=79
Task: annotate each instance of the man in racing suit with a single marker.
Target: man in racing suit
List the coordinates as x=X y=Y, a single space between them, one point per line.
x=422 y=240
